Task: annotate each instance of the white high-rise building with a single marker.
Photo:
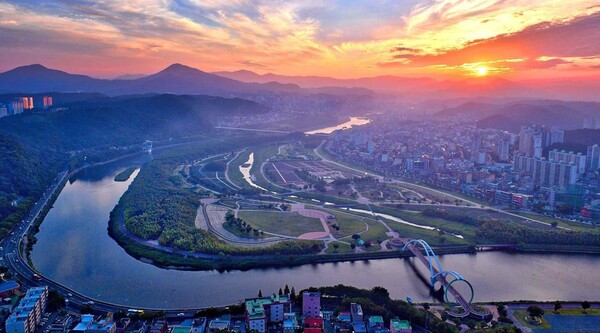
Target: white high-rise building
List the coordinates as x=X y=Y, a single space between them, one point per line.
x=546 y=173
x=592 y=162
x=569 y=157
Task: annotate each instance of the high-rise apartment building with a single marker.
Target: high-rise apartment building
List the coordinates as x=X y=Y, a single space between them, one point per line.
x=569 y=157
x=592 y=162
x=545 y=172
x=47 y=101
x=27 y=103
x=28 y=314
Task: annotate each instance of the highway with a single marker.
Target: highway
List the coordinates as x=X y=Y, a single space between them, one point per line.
x=13 y=256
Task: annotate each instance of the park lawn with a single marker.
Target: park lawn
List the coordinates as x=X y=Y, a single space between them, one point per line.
x=242 y=233
x=261 y=155
x=465 y=230
x=520 y=316
x=373 y=248
x=578 y=312
x=376 y=232
x=342 y=248
x=349 y=224
x=235 y=175
x=567 y=224
x=283 y=223
x=432 y=237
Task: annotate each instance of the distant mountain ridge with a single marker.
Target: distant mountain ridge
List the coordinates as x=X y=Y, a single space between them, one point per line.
x=175 y=79
x=511 y=116
x=420 y=89
x=181 y=79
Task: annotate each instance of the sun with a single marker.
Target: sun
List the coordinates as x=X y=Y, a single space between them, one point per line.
x=481 y=71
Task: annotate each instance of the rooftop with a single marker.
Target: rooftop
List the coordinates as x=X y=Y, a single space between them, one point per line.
x=398 y=324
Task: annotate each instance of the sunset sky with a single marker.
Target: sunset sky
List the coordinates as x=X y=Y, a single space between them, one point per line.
x=517 y=39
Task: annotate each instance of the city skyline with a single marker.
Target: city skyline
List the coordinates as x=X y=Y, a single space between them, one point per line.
x=446 y=39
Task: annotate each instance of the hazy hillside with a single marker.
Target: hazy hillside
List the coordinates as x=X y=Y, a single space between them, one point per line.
x=421 y=89
x=35 y=146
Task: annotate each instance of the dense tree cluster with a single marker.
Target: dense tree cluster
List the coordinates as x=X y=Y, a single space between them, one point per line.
x=377 y=301
x=513 y=233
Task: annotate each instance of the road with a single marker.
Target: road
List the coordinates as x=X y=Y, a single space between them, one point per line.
x=395 y=181
x=13 y=257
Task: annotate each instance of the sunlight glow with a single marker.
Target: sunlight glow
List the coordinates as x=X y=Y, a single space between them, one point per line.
x=481 y=71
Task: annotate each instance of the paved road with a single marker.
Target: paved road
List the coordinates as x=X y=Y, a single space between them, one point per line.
x=395 y=181
x=12 y=252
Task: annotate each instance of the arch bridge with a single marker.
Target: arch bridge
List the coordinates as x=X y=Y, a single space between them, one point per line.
x=447 y=279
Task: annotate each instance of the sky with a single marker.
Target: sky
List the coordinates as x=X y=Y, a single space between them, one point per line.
x=515 y=39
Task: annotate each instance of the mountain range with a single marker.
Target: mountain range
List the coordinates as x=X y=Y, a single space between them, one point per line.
x=421 y=89
x=181 y=79
x=511 y=116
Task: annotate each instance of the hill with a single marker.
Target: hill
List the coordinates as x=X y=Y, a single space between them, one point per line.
x=34 y=147
x=175 y=79
x=585 y=137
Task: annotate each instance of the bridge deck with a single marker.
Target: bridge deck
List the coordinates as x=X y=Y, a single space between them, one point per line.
x=442 y=279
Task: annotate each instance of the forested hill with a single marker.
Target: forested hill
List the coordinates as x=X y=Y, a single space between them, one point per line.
x=34 y=147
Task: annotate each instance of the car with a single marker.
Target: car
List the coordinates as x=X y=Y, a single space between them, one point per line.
x=70 y=295
x=180 y=314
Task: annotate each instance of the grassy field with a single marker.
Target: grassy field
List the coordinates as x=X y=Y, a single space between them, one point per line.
x=562 y=223
x=349 y=224
x=262 y=154
x=376 y=232
x=579 y=312
x=520 y=316
x=241 y=233
x=235 y=175
x=283 y=223
x=432 y=237
x=342 y=248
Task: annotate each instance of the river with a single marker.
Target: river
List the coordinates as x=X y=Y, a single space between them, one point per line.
x=74 y=249
x=354 y=121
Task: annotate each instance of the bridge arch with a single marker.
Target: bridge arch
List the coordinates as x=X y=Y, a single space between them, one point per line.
x=434 y=263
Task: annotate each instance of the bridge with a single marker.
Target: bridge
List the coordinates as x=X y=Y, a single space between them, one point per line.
x=437 y=274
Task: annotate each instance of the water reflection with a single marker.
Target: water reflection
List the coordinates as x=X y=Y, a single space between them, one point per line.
x=74 y=248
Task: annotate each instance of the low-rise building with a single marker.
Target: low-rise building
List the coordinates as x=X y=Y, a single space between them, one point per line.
x=313 y=325
x=89 y=324
x=260 y=311
x=219 y=324
x=400 y=326
x=376 y=325
x=311 y=304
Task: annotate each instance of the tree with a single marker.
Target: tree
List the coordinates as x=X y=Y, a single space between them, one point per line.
x=85 y=309
x=260 y=293
x=280 y=292
x=535 y=311
x=501 y=310
x=55 y=301
x=336 y=246
x=286 y=290
x=426 y=306
x=585 y=305
x=293 y=293
x=355 y=236
x=557 y=306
